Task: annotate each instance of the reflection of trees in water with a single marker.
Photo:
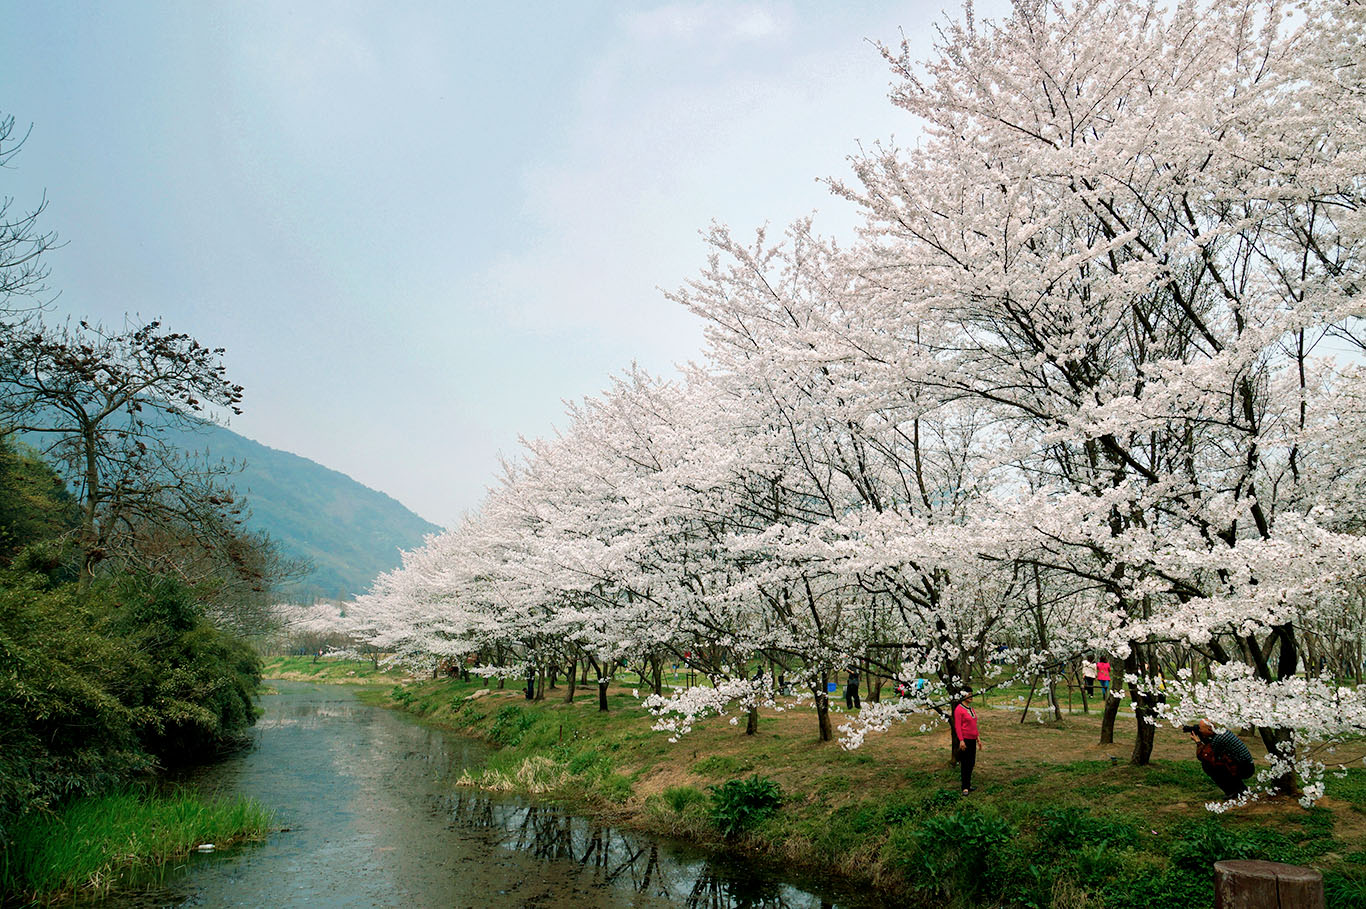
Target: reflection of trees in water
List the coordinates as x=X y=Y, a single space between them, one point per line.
x=621 y=859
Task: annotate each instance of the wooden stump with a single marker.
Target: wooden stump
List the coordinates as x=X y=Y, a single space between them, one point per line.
x=1266 y=885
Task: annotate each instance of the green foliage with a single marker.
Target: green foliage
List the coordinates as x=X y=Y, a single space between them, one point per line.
x=35 y=508
x=1069 y=828
x=737 y=805
x=103 y=684
x=679 y=798
x=510 y=723
x=616 y=787
x=1199 y=845
x=1345 y=890
x=590 y=762
x=95 y=842
x=963 y=853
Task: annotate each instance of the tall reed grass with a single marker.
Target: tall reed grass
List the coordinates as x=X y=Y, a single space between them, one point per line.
x=124 y=839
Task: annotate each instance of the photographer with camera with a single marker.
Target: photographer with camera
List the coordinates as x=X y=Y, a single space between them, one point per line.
x=1223 y=757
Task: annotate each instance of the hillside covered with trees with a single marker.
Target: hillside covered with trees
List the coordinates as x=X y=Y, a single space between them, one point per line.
x=346 y=533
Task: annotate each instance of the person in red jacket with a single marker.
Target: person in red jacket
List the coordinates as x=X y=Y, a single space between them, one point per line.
x=1103 y=676
x=965 y=727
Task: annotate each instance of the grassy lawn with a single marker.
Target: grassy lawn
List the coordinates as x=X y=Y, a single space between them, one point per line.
x=328 y=669
x=1057 y=820
x=95 y=844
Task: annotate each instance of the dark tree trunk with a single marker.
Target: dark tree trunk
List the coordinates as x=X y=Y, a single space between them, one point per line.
x=1107 y=720
x=823 y=709
x=752 y=721
x=570 y=678
x=1145 y=733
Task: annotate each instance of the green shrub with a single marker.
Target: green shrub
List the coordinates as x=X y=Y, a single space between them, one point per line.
x=1200 y=844
x=510 y=723
x=107 y=682
x=1067 y=829
x=737 y=805
x=680 y=797
x=960 y=855
x=616 y=787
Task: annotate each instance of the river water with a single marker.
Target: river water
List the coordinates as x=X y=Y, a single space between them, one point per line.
x=374 y=819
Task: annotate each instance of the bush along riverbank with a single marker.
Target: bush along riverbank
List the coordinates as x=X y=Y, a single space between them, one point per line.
x=125 y=839
x=1056 y=821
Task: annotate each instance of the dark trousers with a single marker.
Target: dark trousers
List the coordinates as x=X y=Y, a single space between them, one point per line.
x=1090 y=686
x=1230 y=782
x=967 y=759
x=851 y=700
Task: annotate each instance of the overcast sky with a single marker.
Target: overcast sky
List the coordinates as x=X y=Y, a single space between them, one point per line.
x=418 y=228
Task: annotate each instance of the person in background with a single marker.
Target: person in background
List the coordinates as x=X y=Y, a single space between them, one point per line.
x=965 y=727
x=1103 y=676
x=851 y=683
x=1223 y=757
x=1088 y=676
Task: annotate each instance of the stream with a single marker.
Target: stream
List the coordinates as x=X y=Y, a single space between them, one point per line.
x=373 y=818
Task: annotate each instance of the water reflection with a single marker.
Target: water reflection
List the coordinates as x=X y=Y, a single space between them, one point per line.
x=374 y=819
x=612 y=857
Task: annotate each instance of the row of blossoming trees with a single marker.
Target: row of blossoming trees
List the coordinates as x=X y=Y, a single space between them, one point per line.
x=1089 y=380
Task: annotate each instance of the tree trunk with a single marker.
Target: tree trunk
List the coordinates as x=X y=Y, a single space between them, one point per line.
x=1107 y=720
x=752 y=721
x=1145 y=733
x=570 y=678
x=602 y=695
x=823 y=709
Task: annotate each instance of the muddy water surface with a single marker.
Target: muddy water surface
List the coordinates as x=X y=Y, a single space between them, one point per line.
x=375 y=820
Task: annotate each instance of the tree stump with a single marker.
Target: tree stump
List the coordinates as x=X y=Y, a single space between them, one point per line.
x=1266 y=885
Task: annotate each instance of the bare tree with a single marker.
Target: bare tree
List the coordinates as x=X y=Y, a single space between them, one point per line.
x=22 y=243
x=105 y=402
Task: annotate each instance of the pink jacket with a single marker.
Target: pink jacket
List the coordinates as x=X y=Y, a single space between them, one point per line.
x=1102 y=672
x=964 y=722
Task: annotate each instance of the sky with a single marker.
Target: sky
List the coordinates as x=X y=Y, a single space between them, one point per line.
x=419 y=228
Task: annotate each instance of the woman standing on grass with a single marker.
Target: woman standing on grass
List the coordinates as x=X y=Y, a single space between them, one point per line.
x=965 y=727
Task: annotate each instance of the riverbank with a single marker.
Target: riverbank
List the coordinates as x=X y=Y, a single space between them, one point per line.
x=1056 y=819
x=129 y=839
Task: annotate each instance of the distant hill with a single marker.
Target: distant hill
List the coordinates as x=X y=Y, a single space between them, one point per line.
x=349 y=532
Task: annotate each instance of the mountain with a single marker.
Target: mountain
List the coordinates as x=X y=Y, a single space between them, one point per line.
x=349 y=532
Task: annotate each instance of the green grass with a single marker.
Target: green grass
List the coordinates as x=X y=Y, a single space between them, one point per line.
x=327 y=669
x=98 y=843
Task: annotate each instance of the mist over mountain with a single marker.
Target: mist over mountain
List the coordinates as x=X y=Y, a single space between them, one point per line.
x=349 y=532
